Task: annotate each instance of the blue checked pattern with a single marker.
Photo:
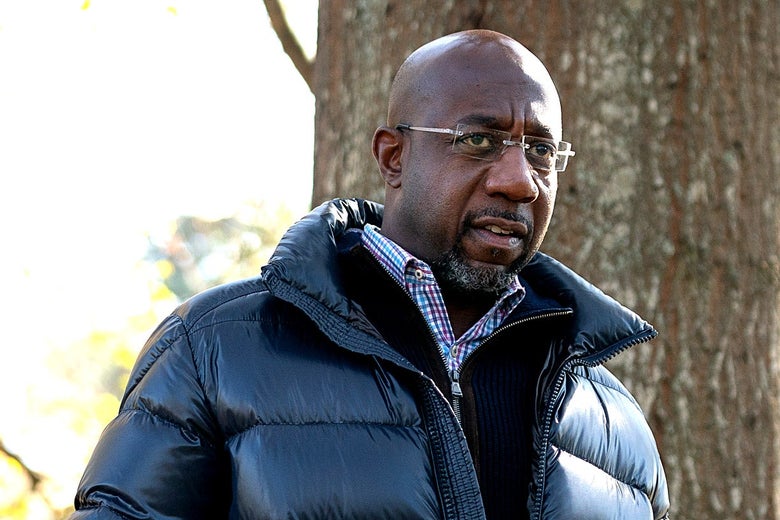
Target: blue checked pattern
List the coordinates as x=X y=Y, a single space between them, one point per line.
x=418 y=280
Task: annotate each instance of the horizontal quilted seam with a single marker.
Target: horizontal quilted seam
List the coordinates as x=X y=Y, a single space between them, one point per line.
x=598 y=468
x=323 y=423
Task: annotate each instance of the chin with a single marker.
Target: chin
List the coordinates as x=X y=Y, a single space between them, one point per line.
x=453 y=272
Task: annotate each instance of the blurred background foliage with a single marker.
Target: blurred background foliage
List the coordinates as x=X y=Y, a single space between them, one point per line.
x=201 y=253
x=134 y=167
x=87 y=378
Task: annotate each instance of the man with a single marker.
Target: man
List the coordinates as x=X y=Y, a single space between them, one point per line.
x=420 y=360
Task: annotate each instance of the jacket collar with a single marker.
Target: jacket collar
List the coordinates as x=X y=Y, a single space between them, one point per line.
x=307 y=255
x=304 y=271
x=599 y=326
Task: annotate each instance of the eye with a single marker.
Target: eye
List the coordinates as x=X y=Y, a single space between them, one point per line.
x=541 y=150
x=478 y=141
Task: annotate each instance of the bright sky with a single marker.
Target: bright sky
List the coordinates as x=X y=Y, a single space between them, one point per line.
x=116 y=117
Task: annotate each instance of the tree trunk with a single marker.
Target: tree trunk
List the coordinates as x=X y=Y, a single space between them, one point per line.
x=671 y=204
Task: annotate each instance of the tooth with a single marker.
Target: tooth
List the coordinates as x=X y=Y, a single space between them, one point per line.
x=497 y=230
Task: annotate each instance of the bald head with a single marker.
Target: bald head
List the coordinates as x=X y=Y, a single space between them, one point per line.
x=462 y=60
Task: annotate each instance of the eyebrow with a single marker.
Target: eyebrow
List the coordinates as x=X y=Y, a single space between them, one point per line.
x=478 y=119
x=536 y=127
x=540 y=129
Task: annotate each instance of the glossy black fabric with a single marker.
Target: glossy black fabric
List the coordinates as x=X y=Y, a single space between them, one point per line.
x=498 y=380
x=277 y=397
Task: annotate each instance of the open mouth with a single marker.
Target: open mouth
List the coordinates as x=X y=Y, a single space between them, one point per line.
x=496 y=236
x=498 y=230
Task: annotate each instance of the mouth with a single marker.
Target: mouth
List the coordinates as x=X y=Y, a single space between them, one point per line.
x=498 y=230
x=497 y=239
x=502 y=227
x=513 y=239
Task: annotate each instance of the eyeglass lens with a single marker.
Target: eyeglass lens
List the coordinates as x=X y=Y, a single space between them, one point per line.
x=489 y=144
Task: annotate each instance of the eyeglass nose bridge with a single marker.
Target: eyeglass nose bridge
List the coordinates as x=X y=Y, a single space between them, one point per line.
x=508 y=142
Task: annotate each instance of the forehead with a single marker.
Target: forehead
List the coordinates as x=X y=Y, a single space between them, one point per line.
x=494 y=83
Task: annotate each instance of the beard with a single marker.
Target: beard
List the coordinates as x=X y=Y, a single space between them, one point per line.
x=453 y=271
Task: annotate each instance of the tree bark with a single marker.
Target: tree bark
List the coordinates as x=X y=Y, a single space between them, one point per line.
x=671 y=204
x=360 y=45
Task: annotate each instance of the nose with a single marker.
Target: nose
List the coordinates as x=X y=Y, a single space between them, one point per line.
x=511 y=176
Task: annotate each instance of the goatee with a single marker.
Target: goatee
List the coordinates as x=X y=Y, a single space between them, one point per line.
x=453 y=272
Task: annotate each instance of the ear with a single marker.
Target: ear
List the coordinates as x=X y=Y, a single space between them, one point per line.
x=387 y=146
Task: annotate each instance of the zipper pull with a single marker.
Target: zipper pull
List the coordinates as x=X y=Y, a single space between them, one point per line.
x=454 y=377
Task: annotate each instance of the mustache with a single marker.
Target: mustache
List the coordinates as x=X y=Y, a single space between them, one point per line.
x=498 y=213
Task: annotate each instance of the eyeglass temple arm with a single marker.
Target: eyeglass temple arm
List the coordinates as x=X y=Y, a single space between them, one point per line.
x=428 y=129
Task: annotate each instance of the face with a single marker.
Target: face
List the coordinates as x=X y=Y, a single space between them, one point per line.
x=476 y=222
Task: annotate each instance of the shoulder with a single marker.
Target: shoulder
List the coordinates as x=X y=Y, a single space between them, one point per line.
x=230 y=301
x=247 y=301
x=599 y=413
x=238 y=320
x=602 y=378
x=227 y=315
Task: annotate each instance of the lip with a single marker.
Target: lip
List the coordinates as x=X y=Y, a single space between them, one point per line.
x=495 y=240
x=501 y=227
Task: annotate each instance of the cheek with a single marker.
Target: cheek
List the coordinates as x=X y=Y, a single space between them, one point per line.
x=548 y=190
x=543 y=207
x=439 y=216
x=551 y=201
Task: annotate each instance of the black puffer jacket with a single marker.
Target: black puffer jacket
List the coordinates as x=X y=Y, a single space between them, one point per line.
x=276 y=397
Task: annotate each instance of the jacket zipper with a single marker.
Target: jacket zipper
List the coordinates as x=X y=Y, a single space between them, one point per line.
x=454 y=375
x=599 y=359
x=457 y=391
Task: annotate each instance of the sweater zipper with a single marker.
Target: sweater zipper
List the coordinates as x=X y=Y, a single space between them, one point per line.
x=457 y=391
x=454 y=374
x=599 y=359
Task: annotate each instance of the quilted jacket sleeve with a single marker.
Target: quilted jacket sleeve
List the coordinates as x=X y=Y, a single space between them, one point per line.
x=163 y=439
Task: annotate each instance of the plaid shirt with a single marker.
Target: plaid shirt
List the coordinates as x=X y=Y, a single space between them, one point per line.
x=418 y=280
